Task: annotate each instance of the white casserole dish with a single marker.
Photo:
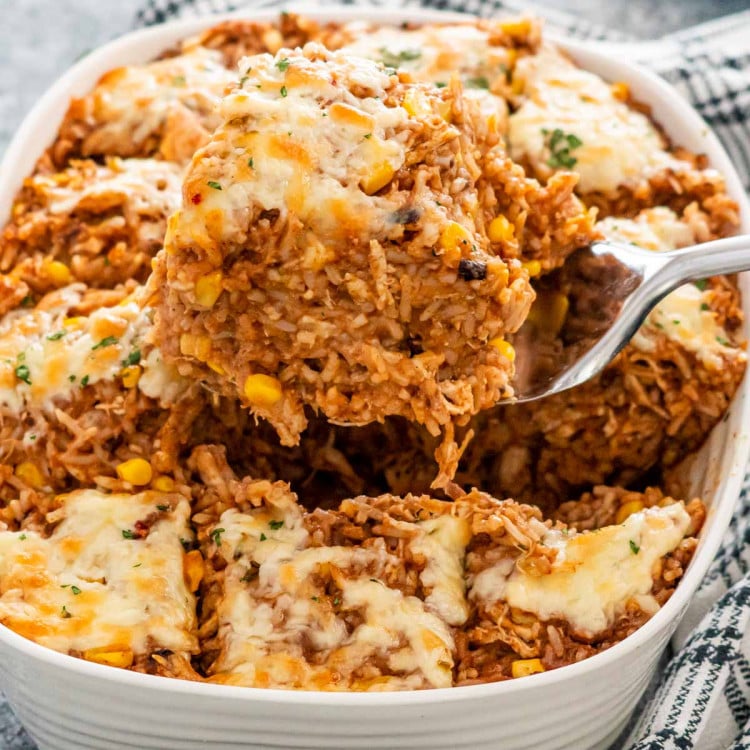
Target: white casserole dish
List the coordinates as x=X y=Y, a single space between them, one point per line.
x=70 y=704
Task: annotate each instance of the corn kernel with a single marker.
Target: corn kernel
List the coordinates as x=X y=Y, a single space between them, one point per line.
x=58 y=272
x=377 y=178
x=454 y=238
x=30 y=474
x=345 y=114
x=74 y=322
x=504 y=348
x=517 y=85
x=516 y=26
x=534 y=267
x=137 y=471
x=262 y=390
x=163 y=484
x=208 y=288
x=524 y=667
x=627 y=509
x=122 y=658
x=192 y=568
x=195 y=346
x=216 y=367
x=620 y=90
x=415 y=104
x=501 y=230
x=131 y=376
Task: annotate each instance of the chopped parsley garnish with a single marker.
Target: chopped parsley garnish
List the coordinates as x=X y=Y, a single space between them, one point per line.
x=64 y=613
x=109 y=341
x=216 y=536
x=263 y=537
x=162 y=507
x=72 y=378
x=394 y=59
x=128 y=534
x=701 y=284
x=722 y=341
x=213 y=184
x=275 y=525
x=676 y=322
x=251 y=163
x=32 y=437
x=478 y=83
x=179 y=81
x=56 y=336
x=242 y=80
x=315 y=598
x=367 y=136
x=560 y=145
x=634 y=548
x=138 y=565
x=75 y=590
x=132 y=359
x=336 y=602
x=23 y=373
x=283 y=91
x=22 y=537
x=440 y=84
x=282 y=65
x=705 y=307
x=84 y=381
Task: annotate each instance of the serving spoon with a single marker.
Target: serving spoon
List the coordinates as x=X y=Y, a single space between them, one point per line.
x=622 y=283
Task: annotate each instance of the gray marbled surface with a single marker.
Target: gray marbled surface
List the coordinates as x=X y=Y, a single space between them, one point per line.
x=39 y=39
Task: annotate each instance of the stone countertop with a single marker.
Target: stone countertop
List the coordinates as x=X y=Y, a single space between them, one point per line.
x=39 y=39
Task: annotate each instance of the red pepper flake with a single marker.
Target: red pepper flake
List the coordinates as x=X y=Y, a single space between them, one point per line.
x=196 y=199
x=141 y=529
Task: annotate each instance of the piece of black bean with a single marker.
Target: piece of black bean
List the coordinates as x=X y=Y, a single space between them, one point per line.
x=472 y=270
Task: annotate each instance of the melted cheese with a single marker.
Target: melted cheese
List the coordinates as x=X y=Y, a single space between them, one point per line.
x=684 y=316
x=594 y=574
x=442 y=543
x=131 y=104
x=296 y=140
x=653 y=229
x=619 y=145
x=145 y=186
x=271 y=622
x=88 y=587
x=46 y=356
x=436 y=54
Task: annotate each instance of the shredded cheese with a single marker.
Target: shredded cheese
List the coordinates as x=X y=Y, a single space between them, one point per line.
x=89 y=586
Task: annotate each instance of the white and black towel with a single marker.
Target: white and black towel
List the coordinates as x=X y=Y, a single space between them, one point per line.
x=701 y=700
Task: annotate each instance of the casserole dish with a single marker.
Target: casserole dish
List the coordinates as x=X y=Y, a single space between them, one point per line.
x=67 y=703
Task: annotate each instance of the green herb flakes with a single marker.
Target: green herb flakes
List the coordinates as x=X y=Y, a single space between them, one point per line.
x=56 y=336
x=216 y=536
x=132 y=359
x=128 y=534
x=634 y=548
x=560 y=144
x=213 y=184
x=23 y=373
x=395 y=59
x=109 y=341
x=275 y=525
x=283 y=64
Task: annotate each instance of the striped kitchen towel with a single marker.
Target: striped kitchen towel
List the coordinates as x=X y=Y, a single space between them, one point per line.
x=701 y=700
